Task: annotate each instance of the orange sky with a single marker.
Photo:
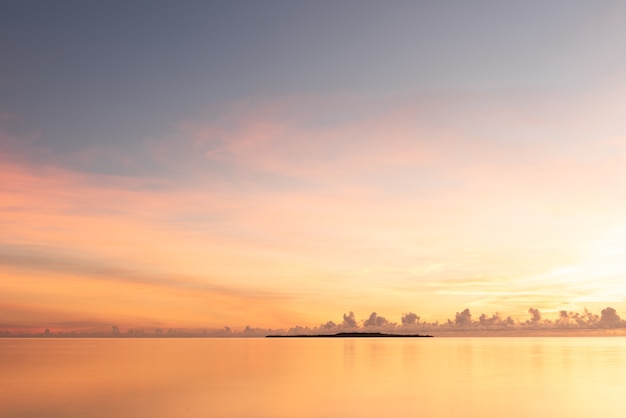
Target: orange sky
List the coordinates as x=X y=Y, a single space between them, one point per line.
x=212 y=165
x=385 y=221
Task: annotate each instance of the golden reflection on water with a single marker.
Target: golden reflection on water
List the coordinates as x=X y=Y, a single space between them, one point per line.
x=447 y=377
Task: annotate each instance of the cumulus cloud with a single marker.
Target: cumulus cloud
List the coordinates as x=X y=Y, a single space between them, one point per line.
x=495 y=320
x=253 y=331
x=349 y=321
x=564 y=319
x=328 y=325
x=300 y=330
x=464 y=318
x=410 y=319
x=375 y=321
x=585 y=319
x=535 y=315
x=610 y=319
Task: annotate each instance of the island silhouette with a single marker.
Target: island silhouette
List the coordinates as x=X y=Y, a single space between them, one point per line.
x=352 y=335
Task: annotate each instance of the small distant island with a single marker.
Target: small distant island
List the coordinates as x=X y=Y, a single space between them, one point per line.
x=353 y=335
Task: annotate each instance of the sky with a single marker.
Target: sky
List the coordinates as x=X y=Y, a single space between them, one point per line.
x=277 y=163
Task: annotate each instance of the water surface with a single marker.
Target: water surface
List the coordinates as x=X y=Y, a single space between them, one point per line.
x=441 y=377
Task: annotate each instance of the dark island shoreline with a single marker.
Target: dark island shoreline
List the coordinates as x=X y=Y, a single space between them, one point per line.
x=353 y=335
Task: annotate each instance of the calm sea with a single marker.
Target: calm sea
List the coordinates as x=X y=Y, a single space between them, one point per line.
x=440 y=377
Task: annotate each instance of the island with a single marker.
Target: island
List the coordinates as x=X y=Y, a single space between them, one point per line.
x=353 y=335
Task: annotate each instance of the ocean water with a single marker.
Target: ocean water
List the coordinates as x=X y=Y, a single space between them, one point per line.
x=439 y=377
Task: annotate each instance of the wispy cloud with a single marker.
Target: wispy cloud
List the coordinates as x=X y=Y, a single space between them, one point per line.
x=431 y=199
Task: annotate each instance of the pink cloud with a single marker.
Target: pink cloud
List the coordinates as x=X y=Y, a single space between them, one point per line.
x=268 y=198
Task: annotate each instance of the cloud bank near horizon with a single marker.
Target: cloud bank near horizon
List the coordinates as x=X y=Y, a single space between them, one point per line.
x=463 y=322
